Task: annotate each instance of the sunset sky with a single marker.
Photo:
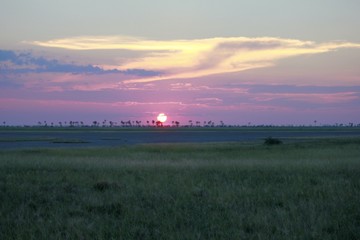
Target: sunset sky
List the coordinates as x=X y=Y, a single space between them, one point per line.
x=240 y=62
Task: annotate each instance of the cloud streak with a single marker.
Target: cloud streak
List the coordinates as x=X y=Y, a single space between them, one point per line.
x=198 y=57
x=12 y=62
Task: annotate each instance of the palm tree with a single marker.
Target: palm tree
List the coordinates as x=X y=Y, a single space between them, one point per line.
x=159 y=124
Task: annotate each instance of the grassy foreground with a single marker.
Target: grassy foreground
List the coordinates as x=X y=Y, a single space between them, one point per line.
x=305 y=190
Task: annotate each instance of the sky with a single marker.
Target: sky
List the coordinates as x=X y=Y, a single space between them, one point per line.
x=240 y=62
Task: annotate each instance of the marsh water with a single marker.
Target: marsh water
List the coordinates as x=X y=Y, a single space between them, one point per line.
x=88 y=137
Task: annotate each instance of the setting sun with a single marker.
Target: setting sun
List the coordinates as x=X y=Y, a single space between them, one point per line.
x=162 y=117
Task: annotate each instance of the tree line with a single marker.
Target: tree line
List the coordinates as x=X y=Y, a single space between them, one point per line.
x=154 y=123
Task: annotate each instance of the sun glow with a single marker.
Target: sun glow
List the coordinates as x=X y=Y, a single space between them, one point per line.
x=162 y=117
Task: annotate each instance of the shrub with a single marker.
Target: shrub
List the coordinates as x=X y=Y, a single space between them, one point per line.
x=101 y=186
x=272 y=141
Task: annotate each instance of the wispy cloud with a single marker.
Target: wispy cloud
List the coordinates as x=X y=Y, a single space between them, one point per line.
x=24 y=62
x=198 y=57
x=314 y=98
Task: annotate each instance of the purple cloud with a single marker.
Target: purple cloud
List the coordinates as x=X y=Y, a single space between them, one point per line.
x=12 y=63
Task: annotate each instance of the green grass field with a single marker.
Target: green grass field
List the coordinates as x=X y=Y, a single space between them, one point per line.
x=304 y=190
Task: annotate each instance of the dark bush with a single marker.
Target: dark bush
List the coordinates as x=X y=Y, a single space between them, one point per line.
x=272 y=141
x=101 y=186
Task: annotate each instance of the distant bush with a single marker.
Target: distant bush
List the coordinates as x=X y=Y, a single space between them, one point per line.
x=101 y=186
x=272 y=141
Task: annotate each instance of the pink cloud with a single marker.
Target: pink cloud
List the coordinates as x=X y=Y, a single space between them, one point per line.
x=319 y=98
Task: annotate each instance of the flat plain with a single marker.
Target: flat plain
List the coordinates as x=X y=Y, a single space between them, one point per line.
x=306 y=188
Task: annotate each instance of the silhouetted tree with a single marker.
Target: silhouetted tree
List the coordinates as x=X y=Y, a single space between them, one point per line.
x=159 y=124
x=104 y=123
